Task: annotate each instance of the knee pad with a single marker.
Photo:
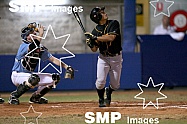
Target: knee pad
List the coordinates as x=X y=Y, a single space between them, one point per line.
x=56 y=77
x=34 y=79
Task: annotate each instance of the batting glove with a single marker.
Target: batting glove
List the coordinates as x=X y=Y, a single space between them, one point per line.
x=90 y=43
x=90 y=35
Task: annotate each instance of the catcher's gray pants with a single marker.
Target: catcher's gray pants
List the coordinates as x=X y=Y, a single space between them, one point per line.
x=111 y=66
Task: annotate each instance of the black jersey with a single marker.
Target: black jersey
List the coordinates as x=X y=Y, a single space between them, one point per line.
x=111 y=27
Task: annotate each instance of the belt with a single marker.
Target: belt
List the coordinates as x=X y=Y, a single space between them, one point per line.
x=112 y=55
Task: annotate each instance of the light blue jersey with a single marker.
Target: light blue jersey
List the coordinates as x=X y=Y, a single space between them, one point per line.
x=21 y=59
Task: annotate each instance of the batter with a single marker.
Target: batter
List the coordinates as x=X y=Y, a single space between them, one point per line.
x=107 y=38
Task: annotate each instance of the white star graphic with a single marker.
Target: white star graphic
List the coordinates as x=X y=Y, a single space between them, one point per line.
x=166 y=2
x=150 y=102
x=63 y=47
x=29 y=111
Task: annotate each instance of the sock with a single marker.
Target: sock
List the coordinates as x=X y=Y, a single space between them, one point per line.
x=101 y=93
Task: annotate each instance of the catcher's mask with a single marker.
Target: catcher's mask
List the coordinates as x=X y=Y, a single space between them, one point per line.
x=95 y=14
x=27 y=30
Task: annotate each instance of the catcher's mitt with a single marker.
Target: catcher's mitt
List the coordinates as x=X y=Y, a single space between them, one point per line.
x=69 y=73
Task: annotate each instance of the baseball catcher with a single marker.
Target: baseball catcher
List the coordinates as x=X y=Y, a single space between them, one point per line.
x=26 y=60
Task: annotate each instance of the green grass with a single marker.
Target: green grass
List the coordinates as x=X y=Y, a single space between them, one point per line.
x=128 y=95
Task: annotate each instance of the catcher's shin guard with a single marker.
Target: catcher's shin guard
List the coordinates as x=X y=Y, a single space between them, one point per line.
x=2 y=100
x=56 y=79
x=100 y=93
x=21 y=89
x=38 y=98
x=33 y=80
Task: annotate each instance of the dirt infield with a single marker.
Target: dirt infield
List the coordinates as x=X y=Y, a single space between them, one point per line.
x=169 y=109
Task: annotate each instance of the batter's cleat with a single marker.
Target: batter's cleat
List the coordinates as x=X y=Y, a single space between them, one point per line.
x=40 y=100
x=108 y=97
x=13 y=100
x=2 y=101
x=102 y=103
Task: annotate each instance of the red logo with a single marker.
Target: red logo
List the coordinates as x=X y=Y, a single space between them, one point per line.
x=159 y=6
x=179 y=20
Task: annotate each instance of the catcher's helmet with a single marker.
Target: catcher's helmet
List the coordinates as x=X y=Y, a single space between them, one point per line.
x=25 y=32
x=95 y=14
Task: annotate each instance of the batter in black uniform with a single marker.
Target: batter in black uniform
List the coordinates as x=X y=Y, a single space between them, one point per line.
x=106 y=36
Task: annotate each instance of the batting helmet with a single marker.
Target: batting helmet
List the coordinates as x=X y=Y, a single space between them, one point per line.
x=95 y=14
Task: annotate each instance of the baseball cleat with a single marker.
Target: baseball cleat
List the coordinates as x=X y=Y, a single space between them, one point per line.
x=41 y=100
x=107 y=102
x=108 y=97
x=102 y=103
x=2 y=101
x=13 y=100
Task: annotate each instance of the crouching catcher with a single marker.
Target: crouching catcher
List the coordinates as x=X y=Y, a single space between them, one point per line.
x=27 y=59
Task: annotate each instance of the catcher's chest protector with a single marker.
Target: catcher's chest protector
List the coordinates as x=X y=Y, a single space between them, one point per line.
x=30 y=61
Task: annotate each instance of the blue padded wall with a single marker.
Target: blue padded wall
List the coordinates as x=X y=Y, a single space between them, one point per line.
x=129 y=28
x=165 y=59
x=85 y=74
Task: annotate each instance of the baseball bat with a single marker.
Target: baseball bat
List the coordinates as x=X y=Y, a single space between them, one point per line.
x=81 y=25
x=78 y=19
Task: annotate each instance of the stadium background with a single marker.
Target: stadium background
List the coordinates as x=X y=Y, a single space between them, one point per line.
x=158 y=56
x=161 y=57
